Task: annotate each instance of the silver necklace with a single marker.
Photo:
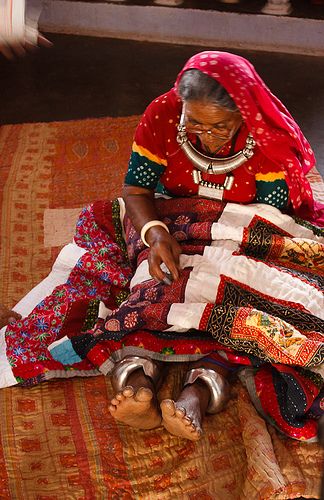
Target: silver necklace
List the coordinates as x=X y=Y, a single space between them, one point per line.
x=210 y=165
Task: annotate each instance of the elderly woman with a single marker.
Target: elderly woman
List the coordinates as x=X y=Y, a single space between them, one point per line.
x=220 y=134
x=215 y=271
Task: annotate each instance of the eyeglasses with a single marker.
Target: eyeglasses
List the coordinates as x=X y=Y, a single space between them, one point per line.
x=222 y=133
x=197 y=130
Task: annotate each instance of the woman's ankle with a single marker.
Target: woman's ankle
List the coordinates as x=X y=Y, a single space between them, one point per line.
x=222 y=370
x=194 y=394
x=138 y=379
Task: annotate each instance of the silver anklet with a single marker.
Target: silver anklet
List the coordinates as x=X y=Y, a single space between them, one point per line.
x=128 y=365
x=216 y=383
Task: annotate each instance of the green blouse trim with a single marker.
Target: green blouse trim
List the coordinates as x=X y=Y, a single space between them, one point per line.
x=143 y=172
x=275 y=193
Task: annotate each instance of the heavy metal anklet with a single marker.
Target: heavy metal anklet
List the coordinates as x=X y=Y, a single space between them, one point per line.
x=216 y=383
x=128 y=365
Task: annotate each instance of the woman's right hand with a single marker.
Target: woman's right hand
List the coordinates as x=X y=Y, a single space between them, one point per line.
x=164 y=248
x=140 y=207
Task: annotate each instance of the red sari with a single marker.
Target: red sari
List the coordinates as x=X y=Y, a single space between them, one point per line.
x=282 y=154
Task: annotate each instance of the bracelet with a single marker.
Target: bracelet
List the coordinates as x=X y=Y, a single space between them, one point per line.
x=148 y=226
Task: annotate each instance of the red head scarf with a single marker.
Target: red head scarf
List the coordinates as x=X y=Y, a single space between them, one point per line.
x=272 y=126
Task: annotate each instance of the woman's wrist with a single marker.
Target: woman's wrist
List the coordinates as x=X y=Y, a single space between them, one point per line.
x=148 y=226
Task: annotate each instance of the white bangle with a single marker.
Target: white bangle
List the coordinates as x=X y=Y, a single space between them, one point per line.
x=148 y=226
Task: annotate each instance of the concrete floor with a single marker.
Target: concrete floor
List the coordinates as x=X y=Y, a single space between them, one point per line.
x=82 y=77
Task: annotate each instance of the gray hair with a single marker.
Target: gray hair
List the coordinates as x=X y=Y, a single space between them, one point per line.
x=195 y=85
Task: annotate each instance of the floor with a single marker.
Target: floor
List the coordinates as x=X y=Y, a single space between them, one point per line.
x=83 y=77
x=311 y=9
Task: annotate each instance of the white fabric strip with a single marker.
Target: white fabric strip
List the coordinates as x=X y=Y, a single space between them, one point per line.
x=265 y=279
x=182 y=317
x=203 y=282
x=122 y=212
x=241 y=215
x=65 y=262
x=6 y=376
x=142 y=274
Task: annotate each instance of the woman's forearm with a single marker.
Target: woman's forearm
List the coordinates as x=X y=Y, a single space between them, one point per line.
x=140 y=206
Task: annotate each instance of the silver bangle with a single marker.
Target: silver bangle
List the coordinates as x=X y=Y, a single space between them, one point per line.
x=148 y=226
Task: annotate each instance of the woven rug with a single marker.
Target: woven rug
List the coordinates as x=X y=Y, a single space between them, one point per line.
x=58 y=439
x=52 y=166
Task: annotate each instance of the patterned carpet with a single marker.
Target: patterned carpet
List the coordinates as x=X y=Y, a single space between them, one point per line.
x=46 y=166
x=58 y=439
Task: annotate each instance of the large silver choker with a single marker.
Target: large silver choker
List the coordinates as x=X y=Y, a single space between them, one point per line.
x=209 y=165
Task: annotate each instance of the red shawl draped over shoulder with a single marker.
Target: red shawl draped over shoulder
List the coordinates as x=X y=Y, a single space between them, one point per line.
x=275 y=131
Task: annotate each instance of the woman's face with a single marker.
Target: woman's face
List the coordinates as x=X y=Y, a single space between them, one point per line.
x=214 y=125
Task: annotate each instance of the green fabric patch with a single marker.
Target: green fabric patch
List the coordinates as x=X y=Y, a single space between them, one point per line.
x=273 y=193
x=143 y=172
x=119 y=238
x=161 y=189
x=91 y=315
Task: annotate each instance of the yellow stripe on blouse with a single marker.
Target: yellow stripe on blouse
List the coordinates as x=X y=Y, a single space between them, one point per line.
x=150 y=156
x=270 y=176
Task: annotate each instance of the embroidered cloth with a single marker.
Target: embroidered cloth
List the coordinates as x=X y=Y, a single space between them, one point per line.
x=250 y=293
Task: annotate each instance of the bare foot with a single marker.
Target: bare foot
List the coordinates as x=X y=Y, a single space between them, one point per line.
x=136 y=404
x=176 y=421
x=184 y=417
